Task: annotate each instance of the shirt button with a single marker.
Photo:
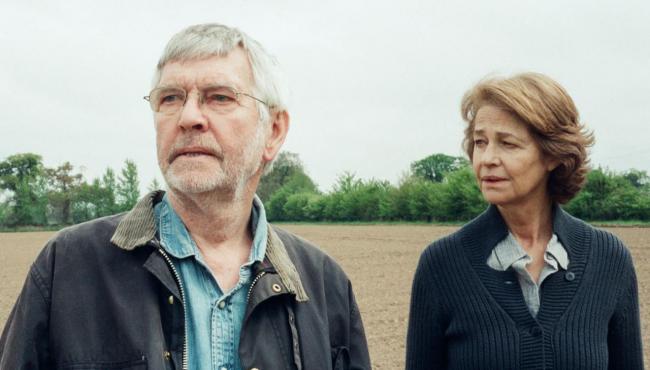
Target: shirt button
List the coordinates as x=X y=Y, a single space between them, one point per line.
x=254 y=368
x=221 y=305
x=167 y=355
x=171 y=299
x=223 y=368
x=570 y=276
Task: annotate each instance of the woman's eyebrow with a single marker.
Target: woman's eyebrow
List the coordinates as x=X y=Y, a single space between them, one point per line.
x=499 y=134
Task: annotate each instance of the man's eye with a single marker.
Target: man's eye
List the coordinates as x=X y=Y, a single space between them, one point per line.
x=220 y=98
x=170 y=99
x=508 y=144
x=479 y=142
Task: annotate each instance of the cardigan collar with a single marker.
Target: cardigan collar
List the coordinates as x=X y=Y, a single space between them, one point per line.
x=483 y=233
x=490 y=228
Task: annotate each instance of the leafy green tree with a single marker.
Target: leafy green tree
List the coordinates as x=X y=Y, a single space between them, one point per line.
x=315 y=209
x=4 y=212
x=638 y=179
x=608 y=196
x=63 y=185
x=365 y=202
x=353 y=199
x=460 y=198
x=22 y=175
x=128 y=186
x=436 y=166
x=424 y=201
x=30 y=203
x=287 y=166
x=107 y=203
x=296 y=206
x=18 y=168
x=88 y=199
x=298 y=182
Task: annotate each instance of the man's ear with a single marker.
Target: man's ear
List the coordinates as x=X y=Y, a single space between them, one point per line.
x=279 y=128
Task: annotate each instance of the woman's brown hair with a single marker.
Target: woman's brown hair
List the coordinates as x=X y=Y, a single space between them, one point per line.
x=551 y=116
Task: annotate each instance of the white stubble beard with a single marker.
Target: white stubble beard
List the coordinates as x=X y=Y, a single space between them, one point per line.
x=232 y=177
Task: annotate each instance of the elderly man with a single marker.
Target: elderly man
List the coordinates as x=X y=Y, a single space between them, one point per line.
x=194 y=278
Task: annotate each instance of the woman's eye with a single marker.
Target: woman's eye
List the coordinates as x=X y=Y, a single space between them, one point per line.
x=479 y=142
x=508 y=144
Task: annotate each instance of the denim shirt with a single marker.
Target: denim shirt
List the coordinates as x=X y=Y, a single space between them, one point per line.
x=214 y=318
x=509 y=253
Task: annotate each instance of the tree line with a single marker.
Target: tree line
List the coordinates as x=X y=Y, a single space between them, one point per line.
x=35 y=195
x=437 y=188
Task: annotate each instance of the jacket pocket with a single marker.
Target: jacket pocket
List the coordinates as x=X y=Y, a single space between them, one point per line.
x=340 y=358
x=140 y=364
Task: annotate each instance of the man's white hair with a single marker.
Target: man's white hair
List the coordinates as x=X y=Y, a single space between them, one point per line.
x=212 y=39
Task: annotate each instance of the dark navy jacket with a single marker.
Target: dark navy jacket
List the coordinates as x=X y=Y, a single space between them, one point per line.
x=102 y=295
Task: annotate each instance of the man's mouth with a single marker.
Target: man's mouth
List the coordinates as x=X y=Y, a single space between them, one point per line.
x=193 y=152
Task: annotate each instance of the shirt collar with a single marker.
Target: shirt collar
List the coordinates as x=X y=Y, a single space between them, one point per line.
x=508 y=251
x=558 y=252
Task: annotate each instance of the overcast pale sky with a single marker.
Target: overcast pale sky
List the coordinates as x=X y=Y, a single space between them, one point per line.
x=374 y=85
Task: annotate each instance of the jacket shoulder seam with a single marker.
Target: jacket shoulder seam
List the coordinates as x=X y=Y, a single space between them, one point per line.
x=40 y=284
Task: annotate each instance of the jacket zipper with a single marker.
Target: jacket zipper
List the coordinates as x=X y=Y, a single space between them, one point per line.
x=250 y=290
x=182 y=291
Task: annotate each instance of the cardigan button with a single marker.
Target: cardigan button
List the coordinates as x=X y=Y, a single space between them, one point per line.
x=570 y=276
x=535 y=331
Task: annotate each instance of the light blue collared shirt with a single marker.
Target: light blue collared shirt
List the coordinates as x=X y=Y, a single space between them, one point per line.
x=214 y=318
x=510 y=253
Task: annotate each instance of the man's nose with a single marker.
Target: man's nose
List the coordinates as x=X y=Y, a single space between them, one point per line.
x=192 y=116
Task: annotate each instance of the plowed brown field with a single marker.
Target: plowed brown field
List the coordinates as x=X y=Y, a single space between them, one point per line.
x=380 y=260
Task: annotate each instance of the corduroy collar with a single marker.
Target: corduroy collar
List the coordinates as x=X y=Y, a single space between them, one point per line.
x=138 y=227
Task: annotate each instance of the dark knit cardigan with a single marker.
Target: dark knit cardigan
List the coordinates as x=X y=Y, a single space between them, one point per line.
x=465 y=315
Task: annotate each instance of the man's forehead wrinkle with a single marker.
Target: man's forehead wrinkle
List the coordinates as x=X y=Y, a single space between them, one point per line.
x=183 y=74
x=202 y=82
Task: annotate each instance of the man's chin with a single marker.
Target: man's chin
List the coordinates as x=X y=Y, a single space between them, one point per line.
x=194 y=183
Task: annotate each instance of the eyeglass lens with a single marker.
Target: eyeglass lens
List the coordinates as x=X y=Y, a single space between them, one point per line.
x=170 y=100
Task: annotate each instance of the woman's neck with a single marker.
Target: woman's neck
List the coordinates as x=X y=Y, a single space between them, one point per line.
x=531 y=223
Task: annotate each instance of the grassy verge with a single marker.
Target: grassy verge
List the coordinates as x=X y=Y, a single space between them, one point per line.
x=621 y=223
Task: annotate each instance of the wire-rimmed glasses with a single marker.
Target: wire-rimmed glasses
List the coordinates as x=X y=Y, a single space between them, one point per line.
x=220 y=99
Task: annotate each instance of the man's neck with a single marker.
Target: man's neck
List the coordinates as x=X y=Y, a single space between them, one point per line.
x=215 y=220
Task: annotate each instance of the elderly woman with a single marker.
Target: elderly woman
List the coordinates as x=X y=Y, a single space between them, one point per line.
x=525 y=285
